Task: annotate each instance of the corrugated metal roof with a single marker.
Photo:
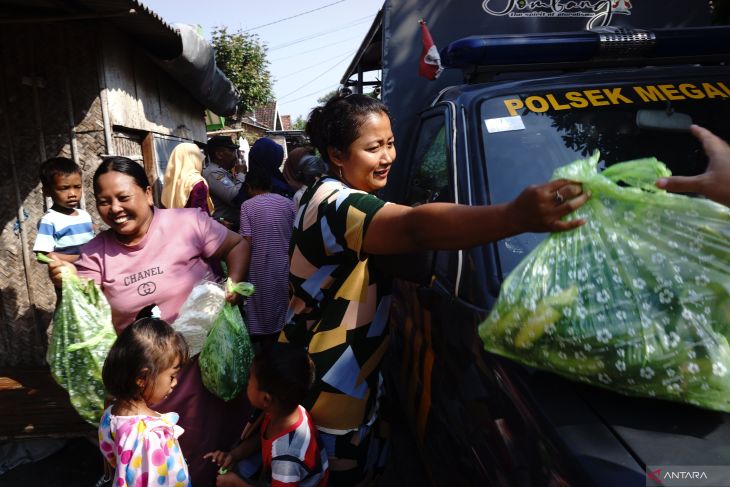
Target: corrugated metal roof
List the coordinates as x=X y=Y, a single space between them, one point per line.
x=146 y=27
x=369 y=56
x=194 y=68
x=149 y=29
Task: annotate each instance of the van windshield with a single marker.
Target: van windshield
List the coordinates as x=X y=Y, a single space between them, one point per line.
x=538 y=132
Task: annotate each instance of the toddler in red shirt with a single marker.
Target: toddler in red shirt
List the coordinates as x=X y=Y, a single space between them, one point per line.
x=291 y=451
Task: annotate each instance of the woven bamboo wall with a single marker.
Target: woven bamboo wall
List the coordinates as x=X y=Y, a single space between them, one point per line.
x=51 y=105
x=49 y=96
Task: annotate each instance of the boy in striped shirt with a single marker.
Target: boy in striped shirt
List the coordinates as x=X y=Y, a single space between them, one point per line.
x=288 y=444
x=65 y=227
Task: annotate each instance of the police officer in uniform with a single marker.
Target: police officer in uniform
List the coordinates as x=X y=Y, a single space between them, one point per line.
x=226 y=188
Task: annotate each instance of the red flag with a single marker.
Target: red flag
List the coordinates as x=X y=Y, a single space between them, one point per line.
x=430 y=62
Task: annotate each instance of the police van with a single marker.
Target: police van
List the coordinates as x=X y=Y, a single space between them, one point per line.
x=520 y=102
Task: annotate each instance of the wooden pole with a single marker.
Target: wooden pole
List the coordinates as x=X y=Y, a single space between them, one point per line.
x=103 y=98
x=70 y=110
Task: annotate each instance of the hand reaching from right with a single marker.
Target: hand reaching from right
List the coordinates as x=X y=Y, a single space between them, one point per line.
x=714 y=183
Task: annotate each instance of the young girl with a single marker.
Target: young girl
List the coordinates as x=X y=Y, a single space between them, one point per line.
x=291 y=451
x=141 y=369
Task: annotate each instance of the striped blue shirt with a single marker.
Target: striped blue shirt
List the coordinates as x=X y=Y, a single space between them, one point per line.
x=58 y=232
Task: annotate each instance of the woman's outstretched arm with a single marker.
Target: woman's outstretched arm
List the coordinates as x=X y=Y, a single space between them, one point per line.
x=399 y=229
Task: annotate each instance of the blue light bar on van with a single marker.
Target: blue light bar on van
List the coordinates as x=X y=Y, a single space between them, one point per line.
x=604 y=44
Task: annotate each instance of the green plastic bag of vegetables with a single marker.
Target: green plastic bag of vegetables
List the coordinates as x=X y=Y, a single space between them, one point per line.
x=80 y=341
x=637 y=300
x=227 y=353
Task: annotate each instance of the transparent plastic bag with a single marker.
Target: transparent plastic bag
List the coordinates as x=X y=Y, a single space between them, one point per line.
x=227 y=354
x=637 y=300
x=81 y=338
x=198 y=313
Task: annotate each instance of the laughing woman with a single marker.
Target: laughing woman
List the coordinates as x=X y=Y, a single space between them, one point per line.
x=156 y=256
x=340 y=301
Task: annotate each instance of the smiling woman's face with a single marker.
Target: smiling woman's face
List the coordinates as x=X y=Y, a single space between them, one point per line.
x=124 y=206
x=369 y=157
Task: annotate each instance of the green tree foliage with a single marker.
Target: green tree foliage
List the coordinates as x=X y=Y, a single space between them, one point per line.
x=326 y=97
x=242 y=57
x=299 y=123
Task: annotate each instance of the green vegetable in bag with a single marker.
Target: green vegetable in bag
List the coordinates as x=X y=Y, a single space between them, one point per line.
x=637 y=300
x=81 y=338
x=227 y=353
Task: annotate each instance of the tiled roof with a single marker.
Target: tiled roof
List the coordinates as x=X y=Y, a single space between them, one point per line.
x=266 y=114
x=286 y=122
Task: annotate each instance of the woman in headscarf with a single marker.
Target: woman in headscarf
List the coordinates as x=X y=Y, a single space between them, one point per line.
x=184 y=185
x=268 y=155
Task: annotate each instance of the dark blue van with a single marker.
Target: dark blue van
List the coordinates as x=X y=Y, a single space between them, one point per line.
x=529 y=105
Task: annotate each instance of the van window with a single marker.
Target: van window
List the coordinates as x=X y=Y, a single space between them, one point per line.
x=429 y=181
x=524 y=145
x=430 y=173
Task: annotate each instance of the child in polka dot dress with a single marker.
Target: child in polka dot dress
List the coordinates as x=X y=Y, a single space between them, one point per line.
x=141 y=369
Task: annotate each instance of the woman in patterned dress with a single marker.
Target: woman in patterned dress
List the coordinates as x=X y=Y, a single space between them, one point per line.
x=340 y=301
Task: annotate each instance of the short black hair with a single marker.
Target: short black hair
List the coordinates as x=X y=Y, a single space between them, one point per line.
x=219 y=142
x=285 y=372
x=123 y=165
x=141 y=351
x=56 y=166
x=259 y=177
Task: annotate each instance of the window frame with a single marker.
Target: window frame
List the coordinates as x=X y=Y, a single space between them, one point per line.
x=442 y=267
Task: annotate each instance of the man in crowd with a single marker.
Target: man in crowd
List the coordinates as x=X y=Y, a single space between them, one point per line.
x=226 y=185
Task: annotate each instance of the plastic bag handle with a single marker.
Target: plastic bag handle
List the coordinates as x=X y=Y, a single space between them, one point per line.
x=640 y=173
x=44 y=259
x=242 y=288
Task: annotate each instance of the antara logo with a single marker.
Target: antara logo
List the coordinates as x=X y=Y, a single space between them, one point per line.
x=655 y=475
x=600 y=11
x=685 y=475
x=659 y=477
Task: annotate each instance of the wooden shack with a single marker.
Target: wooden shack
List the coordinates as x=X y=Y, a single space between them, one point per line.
x=78 y=79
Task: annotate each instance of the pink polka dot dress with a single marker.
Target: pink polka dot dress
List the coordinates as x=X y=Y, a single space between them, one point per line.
x=144 y=450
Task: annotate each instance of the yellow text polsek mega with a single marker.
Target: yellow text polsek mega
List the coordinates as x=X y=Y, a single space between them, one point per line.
x=621 y=95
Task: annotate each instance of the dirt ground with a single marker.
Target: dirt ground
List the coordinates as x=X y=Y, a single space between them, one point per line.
x=78 y=464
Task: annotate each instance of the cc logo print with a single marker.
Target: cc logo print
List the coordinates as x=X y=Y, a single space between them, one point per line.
x=146 y=288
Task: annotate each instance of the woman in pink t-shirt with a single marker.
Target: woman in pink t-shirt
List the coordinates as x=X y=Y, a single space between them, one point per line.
x=150 y=255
